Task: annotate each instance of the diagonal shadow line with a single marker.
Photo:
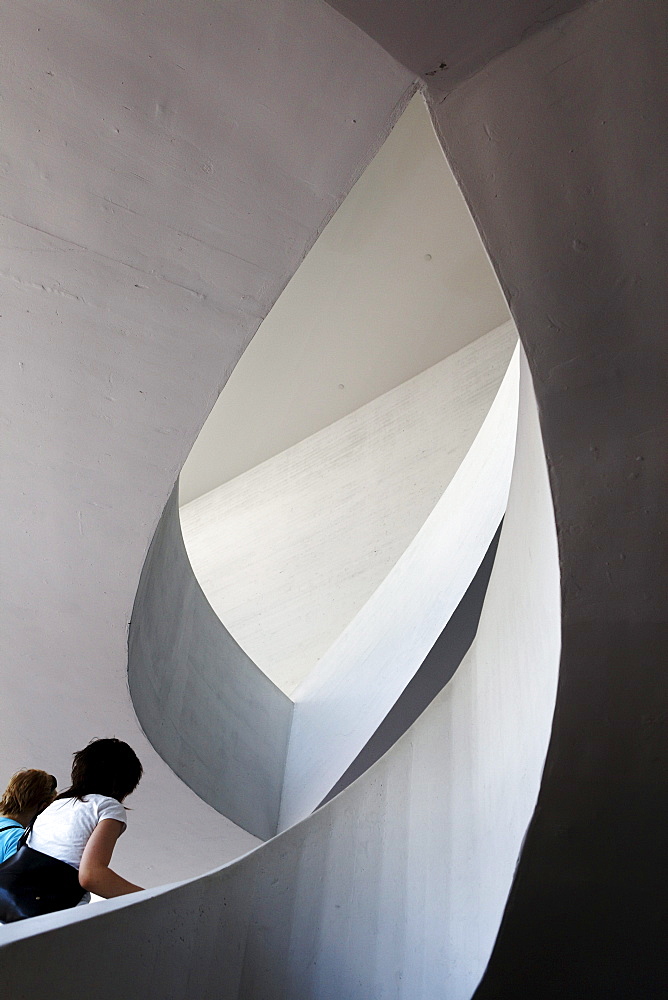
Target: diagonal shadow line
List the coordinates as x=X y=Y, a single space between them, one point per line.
x=439 y=666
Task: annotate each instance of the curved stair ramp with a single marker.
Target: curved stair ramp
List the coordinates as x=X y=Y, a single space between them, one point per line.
x=399 y=883
x=132 y=281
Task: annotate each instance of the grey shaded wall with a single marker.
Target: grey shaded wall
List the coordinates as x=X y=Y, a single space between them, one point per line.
x=446 y=41
x=393 y=890
x=166 y=165
x=560 y=146
x=439 y=666
x=584 y=917
x=216 y=719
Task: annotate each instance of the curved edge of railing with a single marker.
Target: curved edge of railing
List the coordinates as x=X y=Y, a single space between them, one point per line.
x=356 y=683
x=337 y=510
x=397 y=886
x=208 y=710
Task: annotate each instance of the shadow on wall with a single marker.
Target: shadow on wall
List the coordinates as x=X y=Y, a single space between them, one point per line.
x=397 y=886
x=437 y=669
x=216 y=719
x=224 y=727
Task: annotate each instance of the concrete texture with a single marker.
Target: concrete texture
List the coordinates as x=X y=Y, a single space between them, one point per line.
x=397 y=281
x=289 y=553
x=165 y=167
x=352 y=688
x=578 y=241
x=562 y=148
x=396 y=887
x=211 y=714
x=438 y=668
x=447 y=41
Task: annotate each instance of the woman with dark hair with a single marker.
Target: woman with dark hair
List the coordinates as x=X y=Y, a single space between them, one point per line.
x=84 y=822
x=65 y=854
x=28 y=792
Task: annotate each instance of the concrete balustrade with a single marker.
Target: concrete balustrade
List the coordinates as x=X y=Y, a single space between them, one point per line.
x=398 y=885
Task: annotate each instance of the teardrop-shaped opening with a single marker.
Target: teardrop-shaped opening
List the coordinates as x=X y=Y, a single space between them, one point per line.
x=350 y=411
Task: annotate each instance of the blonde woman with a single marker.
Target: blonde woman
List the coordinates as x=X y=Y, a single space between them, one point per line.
x=27 y=794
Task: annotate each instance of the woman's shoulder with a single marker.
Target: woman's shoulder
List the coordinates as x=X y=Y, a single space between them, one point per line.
x=105 y=807
x=6 y=823
x=98 y=799
x=92 y=803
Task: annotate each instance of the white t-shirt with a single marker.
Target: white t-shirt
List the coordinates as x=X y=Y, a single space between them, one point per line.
x=64 y=828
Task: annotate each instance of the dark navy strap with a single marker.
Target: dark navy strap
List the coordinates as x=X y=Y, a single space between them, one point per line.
x=23 y=839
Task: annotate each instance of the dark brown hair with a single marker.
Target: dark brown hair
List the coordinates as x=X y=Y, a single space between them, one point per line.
x=105 y=767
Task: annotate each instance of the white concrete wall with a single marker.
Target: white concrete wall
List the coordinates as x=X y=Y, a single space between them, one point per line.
x=165 y=167
x=395 y=888
x=211 y=714
x=398 y=280
x=343 y=700
x=289 y=552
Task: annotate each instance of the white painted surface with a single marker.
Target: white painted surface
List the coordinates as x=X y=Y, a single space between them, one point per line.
x=346 y=696
x=108 y=385
x=394 y=889
x=365 y=312
x=165 y=166
x=289 y=552
x=493 y=726
x=213 y=716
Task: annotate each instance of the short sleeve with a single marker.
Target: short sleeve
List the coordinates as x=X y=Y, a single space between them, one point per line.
x=111 y=809
x=12 y=841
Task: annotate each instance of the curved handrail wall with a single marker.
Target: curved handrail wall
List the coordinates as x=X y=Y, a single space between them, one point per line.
x=352 y=688
x=336 y=511
x=223 y=725
x=211 y=714
x=397 y=886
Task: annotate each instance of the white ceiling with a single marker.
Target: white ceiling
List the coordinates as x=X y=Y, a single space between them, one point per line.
x=397 y=281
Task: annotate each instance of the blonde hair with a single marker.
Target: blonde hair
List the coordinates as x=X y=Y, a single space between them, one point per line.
x=27 y=789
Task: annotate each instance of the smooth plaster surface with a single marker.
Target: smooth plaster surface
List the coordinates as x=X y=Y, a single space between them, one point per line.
x=447 y=41
x=396 y=887
x=289 y=553
x=397 y=281
x=165 y=167
x=600 y=378
x=555 y=125
x=438 y=668
x=343 y=700
x=562 y=148
x=211 y=714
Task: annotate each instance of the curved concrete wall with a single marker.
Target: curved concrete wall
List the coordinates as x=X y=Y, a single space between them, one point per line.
x=211 y=714
x=353 y=687
x=165 y=167
x=222 y=724
x=439 y=666
x=562 y=146
x=396 y=887
x=289 y=553
x=543 y=168
x=397 y=281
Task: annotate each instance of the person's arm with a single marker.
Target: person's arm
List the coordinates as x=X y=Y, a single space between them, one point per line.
x=95 y=875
